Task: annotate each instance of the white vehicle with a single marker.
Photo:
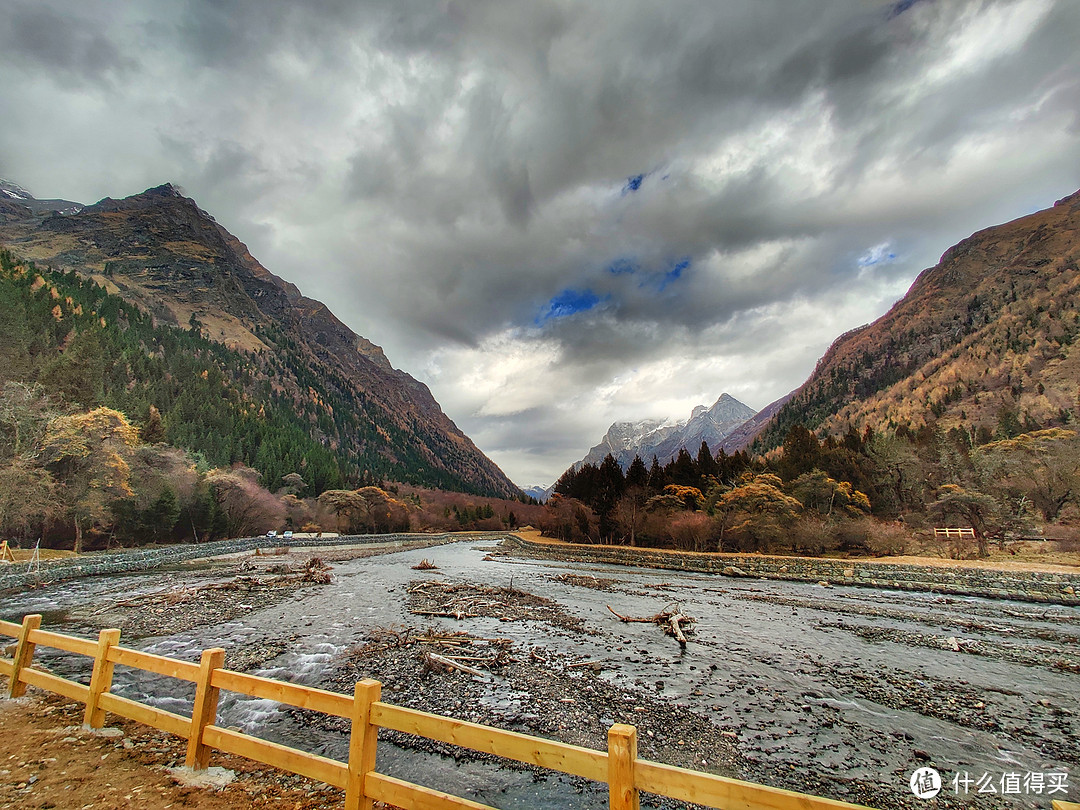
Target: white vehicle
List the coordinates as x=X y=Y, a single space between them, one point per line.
x=271 y=533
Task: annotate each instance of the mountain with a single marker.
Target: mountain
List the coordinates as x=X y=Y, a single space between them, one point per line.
x=12 y=192
x=664 y=438
x=538 y=492
x=711 y=425
x=984 y=341
x=284 y=353
x=744 y=434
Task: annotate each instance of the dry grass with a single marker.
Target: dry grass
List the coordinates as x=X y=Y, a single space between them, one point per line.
x=24 y=554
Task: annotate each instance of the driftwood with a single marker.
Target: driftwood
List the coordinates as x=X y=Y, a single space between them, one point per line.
x=445 y=614
x=449 y=662
x=671 y=620
x=425 y=565
x=643 y=619
x=676 y=630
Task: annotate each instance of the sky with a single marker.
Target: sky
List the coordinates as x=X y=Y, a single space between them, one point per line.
x=561 y=214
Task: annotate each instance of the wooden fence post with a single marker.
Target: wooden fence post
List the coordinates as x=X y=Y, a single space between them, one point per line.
x=24 y=653
x=100 y=679
x=204 y=712
x=622 y=757
x=362 y=743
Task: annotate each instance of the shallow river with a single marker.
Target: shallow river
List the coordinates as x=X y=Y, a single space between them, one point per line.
x=837 y=688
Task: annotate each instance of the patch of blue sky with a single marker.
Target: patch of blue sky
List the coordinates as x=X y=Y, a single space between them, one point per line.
x=900 y=7
x=675 y=272
x=621 y=267
x=878 y=254
x=569 y=302
x=633 y=183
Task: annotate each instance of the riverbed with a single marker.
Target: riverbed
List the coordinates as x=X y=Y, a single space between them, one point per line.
x=837 y=691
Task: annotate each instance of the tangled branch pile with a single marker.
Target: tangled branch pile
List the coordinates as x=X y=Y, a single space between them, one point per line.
x=464 y=600
x=671 y=620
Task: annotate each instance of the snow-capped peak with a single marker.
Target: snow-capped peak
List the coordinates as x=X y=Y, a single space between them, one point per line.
x=14 y=191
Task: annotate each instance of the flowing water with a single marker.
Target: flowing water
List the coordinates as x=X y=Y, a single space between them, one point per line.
x=836 y=686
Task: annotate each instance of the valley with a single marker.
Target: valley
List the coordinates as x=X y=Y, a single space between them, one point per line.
x=840 y=691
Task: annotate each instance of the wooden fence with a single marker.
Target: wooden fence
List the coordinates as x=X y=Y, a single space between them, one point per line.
x=619 y=766
x=959 y=534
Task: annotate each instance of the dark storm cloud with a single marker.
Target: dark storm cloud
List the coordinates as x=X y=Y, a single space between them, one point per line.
x=556 y=213
x=34 y=36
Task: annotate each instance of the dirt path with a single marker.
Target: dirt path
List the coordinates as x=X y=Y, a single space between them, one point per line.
x=49 y=761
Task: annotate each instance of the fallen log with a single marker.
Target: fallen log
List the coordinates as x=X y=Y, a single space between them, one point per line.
x=459 y=615
x=447 y=662
x=643 y=619
x=671 y=620
x=676 y=630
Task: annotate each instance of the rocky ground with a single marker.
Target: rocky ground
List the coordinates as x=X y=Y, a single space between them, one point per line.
x=450 y=658
x=229 y=587
x=51 y=762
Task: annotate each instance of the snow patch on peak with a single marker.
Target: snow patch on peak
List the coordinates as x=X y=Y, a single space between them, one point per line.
x=664 y=437
x=14 y=191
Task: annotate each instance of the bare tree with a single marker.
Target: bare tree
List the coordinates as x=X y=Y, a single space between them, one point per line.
x=247 y=507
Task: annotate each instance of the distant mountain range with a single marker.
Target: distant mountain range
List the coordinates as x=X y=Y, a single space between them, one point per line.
x=664 y=438
x=540 y=493
x=160 y=252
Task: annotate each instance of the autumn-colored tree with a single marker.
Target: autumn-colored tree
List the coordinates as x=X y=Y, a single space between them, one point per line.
x=368 y=509
x=691 y=497
x=88 y=455
x=25 y=413
x=568 y=519
x=154 y=430
x=292 y=484
x=816 y=490
x=756 y=513
x=29 y=498
x=1042 y=466
x=382 y=513
x=298 y=512
x=975 y=508
x=693 y=531
x=344 y=504
x=246 y=508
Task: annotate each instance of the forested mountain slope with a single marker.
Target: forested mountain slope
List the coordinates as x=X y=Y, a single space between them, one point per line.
x=147 y=301
x=983 y=341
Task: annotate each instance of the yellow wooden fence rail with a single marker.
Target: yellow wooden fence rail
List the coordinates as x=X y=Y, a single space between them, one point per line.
x=619 y=766
x=959 y=534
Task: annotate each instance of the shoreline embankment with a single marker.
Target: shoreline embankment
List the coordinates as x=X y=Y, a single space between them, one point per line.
x=1050 y=587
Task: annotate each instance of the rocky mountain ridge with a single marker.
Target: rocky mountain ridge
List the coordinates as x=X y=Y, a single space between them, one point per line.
x=161 y=252
x=984 y=341
x=664 y=437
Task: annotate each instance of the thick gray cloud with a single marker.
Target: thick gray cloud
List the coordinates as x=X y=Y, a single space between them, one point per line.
x=561 y=214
